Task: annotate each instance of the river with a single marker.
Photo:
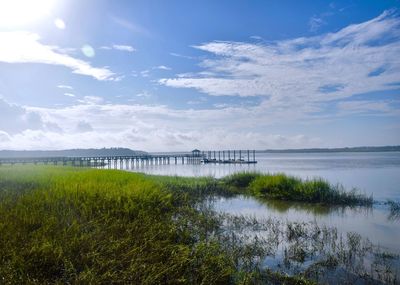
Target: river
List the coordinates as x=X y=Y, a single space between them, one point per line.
x=376 y=173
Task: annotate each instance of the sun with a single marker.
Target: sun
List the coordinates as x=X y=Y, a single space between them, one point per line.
x=14 y=13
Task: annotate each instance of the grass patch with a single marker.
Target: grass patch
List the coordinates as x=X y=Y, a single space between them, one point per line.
x=289 y=188
x=62 y=225
x=240 y=180
x=394 y=208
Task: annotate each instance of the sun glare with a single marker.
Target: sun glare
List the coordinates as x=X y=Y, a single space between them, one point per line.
x=22 y=12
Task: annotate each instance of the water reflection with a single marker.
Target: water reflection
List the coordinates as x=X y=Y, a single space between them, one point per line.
x=319 y=252
x=312 y=209
x=372 y=223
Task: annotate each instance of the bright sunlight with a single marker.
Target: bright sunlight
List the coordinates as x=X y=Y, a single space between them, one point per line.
x=21 y=12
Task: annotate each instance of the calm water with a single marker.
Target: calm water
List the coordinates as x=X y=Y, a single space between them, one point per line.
x=372 y=173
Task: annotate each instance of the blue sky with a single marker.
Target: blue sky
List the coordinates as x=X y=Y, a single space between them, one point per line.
x=175 y=75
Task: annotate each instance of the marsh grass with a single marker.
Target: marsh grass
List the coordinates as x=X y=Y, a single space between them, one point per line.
x=289 y=188
x=76 y=225
x=97 y=226
x=240 y=179
x=394 y=208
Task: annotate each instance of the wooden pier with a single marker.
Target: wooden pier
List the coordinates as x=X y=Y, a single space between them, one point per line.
x=121 y=162
x=229 y=157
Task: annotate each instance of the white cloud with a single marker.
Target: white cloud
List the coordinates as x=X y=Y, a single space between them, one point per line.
x=181 y=55
x=4 y=137
x=315 y=23
x=61 y=86
x=367 y=106
x=25 y=47
x=15 y=118
x=119 y=78
x=258 y=38
x=69 y=94
x=154 y=128
x=91 y=100
x=145 y=73
x=144 y=94
x=302 y=71
x=159 y=128
x=83 y=127
x=162 y=67
x=127 y=48
x=138 y=127
x=124 y=48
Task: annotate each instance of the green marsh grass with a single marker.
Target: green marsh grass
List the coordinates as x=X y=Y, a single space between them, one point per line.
x=241 y=179
x=289 y=188
x=77 y=225
x=74 y=225
x=95 y=226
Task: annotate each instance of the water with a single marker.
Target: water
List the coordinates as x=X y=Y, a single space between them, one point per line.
x=374 y=224
x=375 y=173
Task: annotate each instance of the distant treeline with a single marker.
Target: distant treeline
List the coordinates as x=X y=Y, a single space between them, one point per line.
x=340 y=149
x=70 y=152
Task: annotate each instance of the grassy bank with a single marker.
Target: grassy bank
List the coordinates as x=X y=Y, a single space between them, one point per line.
x=77 y=225
x=289 y=188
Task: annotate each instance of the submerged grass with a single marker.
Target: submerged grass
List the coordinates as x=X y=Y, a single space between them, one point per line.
x=394 y=208
x=78 y=225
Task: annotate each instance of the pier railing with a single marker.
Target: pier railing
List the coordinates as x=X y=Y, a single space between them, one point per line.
x=229 y=156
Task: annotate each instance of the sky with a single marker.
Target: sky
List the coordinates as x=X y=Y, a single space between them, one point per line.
x=178 y=75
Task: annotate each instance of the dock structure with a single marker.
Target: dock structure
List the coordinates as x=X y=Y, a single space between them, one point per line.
x=229 y=156
x=126 y=162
